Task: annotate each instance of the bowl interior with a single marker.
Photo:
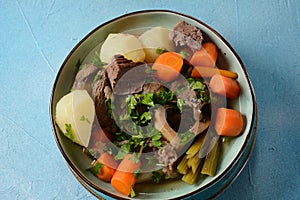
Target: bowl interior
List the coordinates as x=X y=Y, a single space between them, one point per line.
x=136 y=22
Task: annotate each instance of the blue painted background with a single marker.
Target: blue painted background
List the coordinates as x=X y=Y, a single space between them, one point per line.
x=36 y=36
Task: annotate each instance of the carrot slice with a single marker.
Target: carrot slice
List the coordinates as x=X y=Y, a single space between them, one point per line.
x=106 y=173
x=208 y=72
x=228 y=122
x=108 y=167
x=107 y=160
x=123 y=179
x=225 y=86
x=206 y=56
x=130 y=163
x=123 y=182
x=168 y=66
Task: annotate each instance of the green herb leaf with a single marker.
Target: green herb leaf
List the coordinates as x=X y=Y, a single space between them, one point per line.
x=156 y=176
x=132 y=102
x=134 y=158
x=132 y=192
x=161 y=50
x=125 y=116
x=95 y=168
x=200 y=88
x=125 y=149
x=136 y=173
x=186 y=137
x=147 y=99
x=163 y=96
x=96 y=78
x=96 y=61
x=83 y=118
x=184 y=54
x=69 y=132
x=145 y=117
x=156 y=143
x=180 y=89
x=157 y=136
x=180 y=103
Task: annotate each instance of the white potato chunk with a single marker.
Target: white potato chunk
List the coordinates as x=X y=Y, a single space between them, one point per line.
x=75 y=114
x=125 y=44
x=154 y=38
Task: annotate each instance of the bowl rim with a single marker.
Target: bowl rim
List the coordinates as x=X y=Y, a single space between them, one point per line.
x=253 y=126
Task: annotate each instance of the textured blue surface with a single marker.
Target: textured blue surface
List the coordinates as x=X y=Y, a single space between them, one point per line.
x=36 y=36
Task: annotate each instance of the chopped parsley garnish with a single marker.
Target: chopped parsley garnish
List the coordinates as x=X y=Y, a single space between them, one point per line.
x=134 y=158
x=96 y=78
x=180 y=103
x=96 y=61
x=132 y=193
x=83 y=118
x=95 y=168
x=184 y=54
x=163 y=96
x=200 y=88
x=161 y=50
x=69 y=132
x=186 y=137
x=125 y=149
x=147 y=99
x=145 y=117
x=136 y=173
x=156 y=176
x=155 y=136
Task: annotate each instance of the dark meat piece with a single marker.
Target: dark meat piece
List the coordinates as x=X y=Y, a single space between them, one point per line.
x=152 y=87
x=126 y=76
x=168 y=156
x=84 y=78
x=101 y=93
x=184 y=34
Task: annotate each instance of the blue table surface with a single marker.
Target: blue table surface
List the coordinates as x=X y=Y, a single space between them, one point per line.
x=36 y=36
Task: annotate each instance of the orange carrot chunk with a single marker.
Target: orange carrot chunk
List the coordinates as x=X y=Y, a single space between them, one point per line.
x=123 y=179
x=108 y=167
x=225 y=86
x=130 y=163
x=208 y=72
x=206 y=56
x=106 y=173
x=108 y=160
x=123 y=182
x=228 y=122
x=168 y=66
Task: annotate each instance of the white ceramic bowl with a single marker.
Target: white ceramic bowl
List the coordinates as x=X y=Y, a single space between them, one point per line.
x=232 y=161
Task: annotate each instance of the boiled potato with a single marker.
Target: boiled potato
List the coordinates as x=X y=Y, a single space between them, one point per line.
x=125 y=44
x=75 y=115
x=157 y=37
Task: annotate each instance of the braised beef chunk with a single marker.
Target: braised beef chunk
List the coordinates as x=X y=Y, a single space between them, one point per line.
x=184 y=34
x=152 y=87
x=101 y=95
x=85 y=77
x=124 y=76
